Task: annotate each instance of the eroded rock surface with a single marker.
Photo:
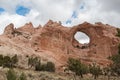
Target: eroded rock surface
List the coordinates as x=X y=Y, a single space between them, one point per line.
x=56 y=43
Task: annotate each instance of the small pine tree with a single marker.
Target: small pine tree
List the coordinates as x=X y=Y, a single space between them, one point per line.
x=11 y=75
x=107 y=72
x=29 y=61
x=14 y=60
x=33 y=61
x=76 y=66
x=95 y=70
x=22 y=77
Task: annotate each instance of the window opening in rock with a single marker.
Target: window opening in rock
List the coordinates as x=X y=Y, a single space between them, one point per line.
x=82 y=38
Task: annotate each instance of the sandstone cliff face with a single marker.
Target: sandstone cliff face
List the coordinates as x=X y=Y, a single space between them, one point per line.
x=56 y=43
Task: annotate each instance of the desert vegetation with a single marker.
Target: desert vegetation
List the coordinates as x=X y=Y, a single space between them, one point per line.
x=38 y=66
x=11 y=63
x=112 y=71
x=79 y=70
x=12 y=75
x=6 y=61
x=77 y=67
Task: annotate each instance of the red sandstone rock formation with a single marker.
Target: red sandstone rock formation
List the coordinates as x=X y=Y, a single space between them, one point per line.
x=56 y=43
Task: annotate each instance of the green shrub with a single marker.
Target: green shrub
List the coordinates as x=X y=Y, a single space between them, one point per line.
x=11 y=75
x=22 y=77
x=10 y=62
x=36 y=63
x=118 y=32
x=6 y=61
x=43 y=67
x=115 y=58
x=1 y=60
x=119 y=49
x=38 y=66
x=50 y=66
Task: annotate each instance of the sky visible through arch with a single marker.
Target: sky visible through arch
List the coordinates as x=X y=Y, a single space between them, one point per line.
x=69 y=12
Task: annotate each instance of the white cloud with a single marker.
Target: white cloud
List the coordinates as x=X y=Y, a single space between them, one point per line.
x=106 y=11
x=41 y=11
x=94 y=12
x=18 y=20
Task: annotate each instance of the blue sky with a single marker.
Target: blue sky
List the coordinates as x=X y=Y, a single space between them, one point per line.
x=76 y=12
x=21 y=10
x=69 y=12
x=1 y=10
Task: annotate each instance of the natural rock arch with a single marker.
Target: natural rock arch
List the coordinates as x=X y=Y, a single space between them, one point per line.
x=84 y=28
x=56 y=42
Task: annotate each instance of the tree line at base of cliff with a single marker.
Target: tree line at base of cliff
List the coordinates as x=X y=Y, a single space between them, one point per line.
x=74 y=65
